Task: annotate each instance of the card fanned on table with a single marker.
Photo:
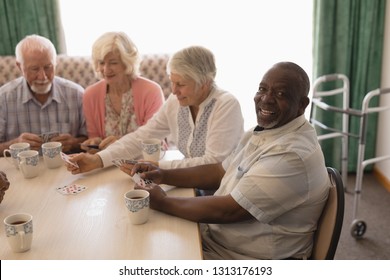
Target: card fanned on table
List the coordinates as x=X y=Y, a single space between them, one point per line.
x=71 y=189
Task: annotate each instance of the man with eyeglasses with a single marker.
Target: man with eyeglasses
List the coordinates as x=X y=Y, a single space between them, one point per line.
x=39 y=106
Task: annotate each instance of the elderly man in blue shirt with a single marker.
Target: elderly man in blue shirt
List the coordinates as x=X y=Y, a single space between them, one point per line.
x=40 y=106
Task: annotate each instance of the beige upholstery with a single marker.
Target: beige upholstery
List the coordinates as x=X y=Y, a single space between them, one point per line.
x=79 y=69
x=328 y=232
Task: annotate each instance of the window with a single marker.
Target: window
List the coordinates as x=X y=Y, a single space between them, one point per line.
x=246 y=36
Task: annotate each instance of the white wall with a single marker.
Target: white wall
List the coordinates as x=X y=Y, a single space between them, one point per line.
x=247 y=36
x=383 y=136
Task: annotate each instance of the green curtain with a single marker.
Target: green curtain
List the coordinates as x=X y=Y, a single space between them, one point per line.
x=19 y=18
x=348 y=39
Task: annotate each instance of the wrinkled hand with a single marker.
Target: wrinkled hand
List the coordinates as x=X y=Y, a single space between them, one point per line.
x=4 y=185
x=147 y=169
x=67 y=140
x=34 y=140
x=86 y=162
x=107 y=142
x=91 y=141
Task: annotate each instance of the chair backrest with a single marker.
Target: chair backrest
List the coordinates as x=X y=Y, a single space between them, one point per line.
x=327 y=235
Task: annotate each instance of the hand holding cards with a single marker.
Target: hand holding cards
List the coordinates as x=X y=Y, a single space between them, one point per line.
x=136 y=177
x=48 y=136
x=139 y=181
x=65 y=157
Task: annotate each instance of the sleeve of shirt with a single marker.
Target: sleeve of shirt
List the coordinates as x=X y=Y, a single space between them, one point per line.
x=272 y=187
x=225 y=128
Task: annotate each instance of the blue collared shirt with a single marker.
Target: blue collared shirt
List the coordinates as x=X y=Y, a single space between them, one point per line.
x=21 y=112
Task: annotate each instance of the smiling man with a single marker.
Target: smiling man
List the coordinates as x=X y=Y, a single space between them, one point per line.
x=269 y=192
x=40 y=103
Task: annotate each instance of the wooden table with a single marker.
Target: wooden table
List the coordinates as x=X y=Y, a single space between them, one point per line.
x=93 y=224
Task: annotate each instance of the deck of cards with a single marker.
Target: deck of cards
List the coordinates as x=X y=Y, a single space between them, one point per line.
x=48 y=136
x=71 y=189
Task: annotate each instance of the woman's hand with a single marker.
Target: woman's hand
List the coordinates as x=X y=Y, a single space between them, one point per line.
x=107 y=142
x=86 y=162
x=91 y=145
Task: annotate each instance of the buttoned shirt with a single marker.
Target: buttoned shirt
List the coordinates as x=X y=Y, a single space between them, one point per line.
x=279 y=176
x=21 y=112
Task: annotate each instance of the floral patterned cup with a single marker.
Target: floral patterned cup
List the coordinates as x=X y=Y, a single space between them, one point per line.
x=137 y=202
x=14 y=150
x=151 y=150
x=19 y=231
x=29 y=163
x=51 y=154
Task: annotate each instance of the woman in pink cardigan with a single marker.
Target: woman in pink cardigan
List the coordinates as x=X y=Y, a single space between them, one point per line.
x=122 y=101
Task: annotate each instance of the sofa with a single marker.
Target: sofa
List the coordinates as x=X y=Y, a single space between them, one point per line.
x=79 y=69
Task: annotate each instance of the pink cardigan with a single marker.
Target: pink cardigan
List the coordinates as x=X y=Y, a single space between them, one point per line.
x=147 y=99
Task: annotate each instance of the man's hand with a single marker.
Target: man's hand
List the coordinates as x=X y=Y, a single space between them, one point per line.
x=4 y=184
x=147 y=170
x=67 y=140
x=34 y=140
x=157 y=195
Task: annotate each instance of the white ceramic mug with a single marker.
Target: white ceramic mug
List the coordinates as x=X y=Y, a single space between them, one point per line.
x=19 y=231
x=137 y=202
x=14 y=150
x=51 y=154
x=151 y=149
x=29 y=163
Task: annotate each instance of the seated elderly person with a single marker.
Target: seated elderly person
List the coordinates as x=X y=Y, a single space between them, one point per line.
x=4 y=185
x=122 y=100
x=202 y=120
x=270 y=191
x=40 y=106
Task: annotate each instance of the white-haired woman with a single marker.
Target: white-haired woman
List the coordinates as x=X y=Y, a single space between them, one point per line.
x=122 y=100
x=203 y=121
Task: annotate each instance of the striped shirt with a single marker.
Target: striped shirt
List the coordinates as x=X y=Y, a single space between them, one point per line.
x=21 y=112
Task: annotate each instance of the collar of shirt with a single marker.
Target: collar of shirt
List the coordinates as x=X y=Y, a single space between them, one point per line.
x=27 y=94
x=287 y=128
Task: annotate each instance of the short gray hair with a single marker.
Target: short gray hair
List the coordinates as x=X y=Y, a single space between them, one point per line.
x=196 y=63
x=35 y=43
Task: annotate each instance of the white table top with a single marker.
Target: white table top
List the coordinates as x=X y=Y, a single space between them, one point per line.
x=93 y=224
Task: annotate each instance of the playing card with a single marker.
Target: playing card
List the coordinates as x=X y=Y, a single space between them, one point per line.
x=139 y=181
x=118 y=162
x=71 y=189
x=47 y=136
x=65 y=157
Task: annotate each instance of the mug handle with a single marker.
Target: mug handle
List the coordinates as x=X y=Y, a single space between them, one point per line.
x=9 y=159
x=163 y=149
